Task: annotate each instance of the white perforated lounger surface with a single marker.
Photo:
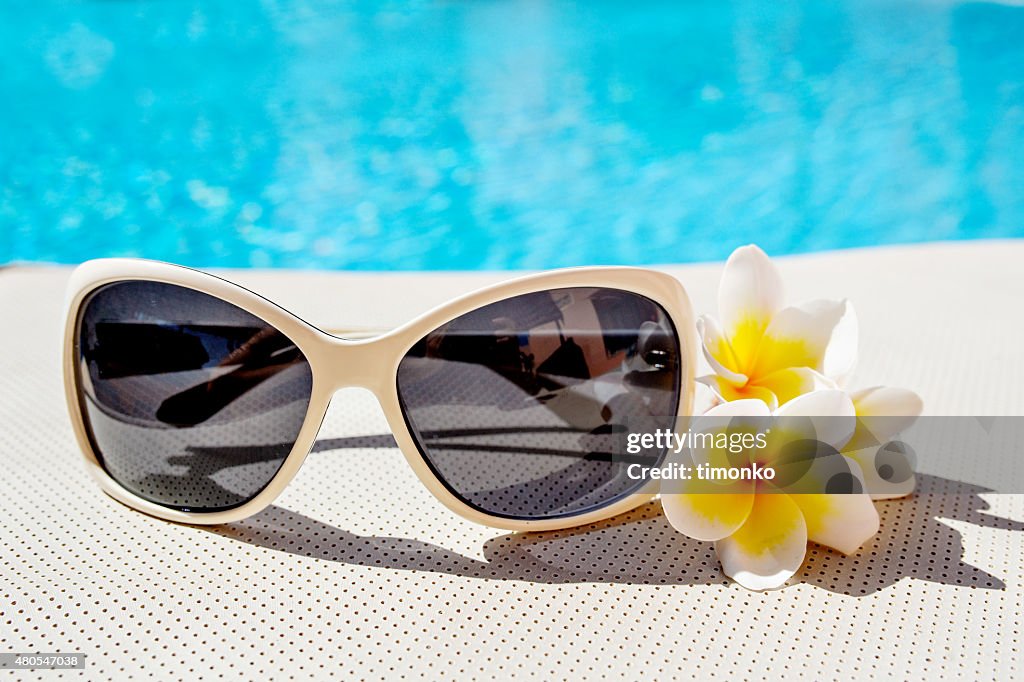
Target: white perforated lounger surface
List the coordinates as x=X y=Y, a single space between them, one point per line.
x=356 y=569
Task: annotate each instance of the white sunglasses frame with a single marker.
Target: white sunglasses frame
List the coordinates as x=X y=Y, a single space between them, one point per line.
x=370 y=363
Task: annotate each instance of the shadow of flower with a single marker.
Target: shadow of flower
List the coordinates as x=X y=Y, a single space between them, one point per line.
x=913 y=542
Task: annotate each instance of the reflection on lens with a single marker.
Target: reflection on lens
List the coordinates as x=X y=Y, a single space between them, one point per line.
x=520 y=406
x=189 y=401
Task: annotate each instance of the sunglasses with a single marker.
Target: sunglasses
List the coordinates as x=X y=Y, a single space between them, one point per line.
x=196 y=400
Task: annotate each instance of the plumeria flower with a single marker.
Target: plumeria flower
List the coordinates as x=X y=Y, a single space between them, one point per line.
x=760 y=349
x=761 y=527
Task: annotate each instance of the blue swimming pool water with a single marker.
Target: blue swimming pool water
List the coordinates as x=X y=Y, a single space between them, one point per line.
x=503 y=134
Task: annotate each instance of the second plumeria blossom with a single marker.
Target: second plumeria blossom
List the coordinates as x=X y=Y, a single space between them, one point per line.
x=760 y=349
x=761 y=527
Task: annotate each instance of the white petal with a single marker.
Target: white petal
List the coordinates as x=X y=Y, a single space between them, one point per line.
x=827 y=416
x=886 y=401
x=717 y=350
x=885 y=411
x=842 y=522
x=707 y=516
x=819 y=334
x=749 y=295
x=843 y=519
x=841 y=354
x=769 y=548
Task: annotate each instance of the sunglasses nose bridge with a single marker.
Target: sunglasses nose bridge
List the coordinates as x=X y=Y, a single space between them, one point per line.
x=364 y=363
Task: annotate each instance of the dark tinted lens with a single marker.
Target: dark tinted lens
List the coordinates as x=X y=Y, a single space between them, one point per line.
x=190 y=402
x=519 y=407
